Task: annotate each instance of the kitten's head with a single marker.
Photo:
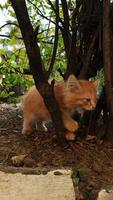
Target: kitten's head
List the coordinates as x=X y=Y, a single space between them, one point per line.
x=81 y=94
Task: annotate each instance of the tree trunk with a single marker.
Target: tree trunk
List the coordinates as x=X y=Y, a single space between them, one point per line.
x=107 y=61
x=39 y=74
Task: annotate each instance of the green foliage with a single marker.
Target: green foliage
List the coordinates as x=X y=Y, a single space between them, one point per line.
x=101 y=81
x=100 y=76
x=12 y=84
x=11 y=70
x=12 y=50
x=13 y=58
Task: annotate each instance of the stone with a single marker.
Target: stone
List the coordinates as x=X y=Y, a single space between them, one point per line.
x=37 y=187
x=105 y=194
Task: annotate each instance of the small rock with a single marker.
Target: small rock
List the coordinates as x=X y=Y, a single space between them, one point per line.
x=18 y=160
x=57 y=173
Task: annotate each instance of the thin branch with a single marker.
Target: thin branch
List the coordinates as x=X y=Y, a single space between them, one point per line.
x=86 y=62
x=48 y=28
x=52 y=6
x=65 y=14
x=76 y=12
x=65 y=30
x=55 y=11
x=45 y=30
x=72 y=55
x=46 y=42
x=61 y=73
x=55 y=40
x=7 y=36
x=41 y=14
x=9 y=23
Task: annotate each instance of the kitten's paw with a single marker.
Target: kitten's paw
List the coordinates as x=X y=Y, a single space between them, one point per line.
x=26 y=132
x=72 y=126
x=70 y=136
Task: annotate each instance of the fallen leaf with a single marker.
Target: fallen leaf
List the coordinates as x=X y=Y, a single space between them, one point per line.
x=91 y=138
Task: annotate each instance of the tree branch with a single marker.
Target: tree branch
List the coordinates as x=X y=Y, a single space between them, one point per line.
x=55 y=40
x=72 y=55
x=87 y=60
x=65 y=14
x=65 y=28
x=41 y=14
x=55 y=11
x=7 y=36
x=9 y=23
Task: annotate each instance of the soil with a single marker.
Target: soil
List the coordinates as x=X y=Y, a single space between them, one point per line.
x=91 y=160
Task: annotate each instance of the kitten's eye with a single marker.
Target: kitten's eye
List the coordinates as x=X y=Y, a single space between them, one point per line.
x=87 y=99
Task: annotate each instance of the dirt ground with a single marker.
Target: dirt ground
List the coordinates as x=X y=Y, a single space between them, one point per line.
x=92 y=161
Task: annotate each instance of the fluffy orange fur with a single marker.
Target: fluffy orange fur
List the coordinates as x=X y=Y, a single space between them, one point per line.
x=72 y=95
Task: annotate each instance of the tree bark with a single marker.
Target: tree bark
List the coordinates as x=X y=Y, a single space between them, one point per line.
x=107 y=61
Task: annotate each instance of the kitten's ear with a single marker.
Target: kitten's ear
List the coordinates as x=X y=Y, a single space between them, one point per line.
x=73 y=83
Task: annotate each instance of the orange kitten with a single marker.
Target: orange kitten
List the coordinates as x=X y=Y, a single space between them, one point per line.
x=72 y=95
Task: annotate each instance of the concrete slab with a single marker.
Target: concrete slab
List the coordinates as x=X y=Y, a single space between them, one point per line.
x=105 y=194
x=37 y=187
